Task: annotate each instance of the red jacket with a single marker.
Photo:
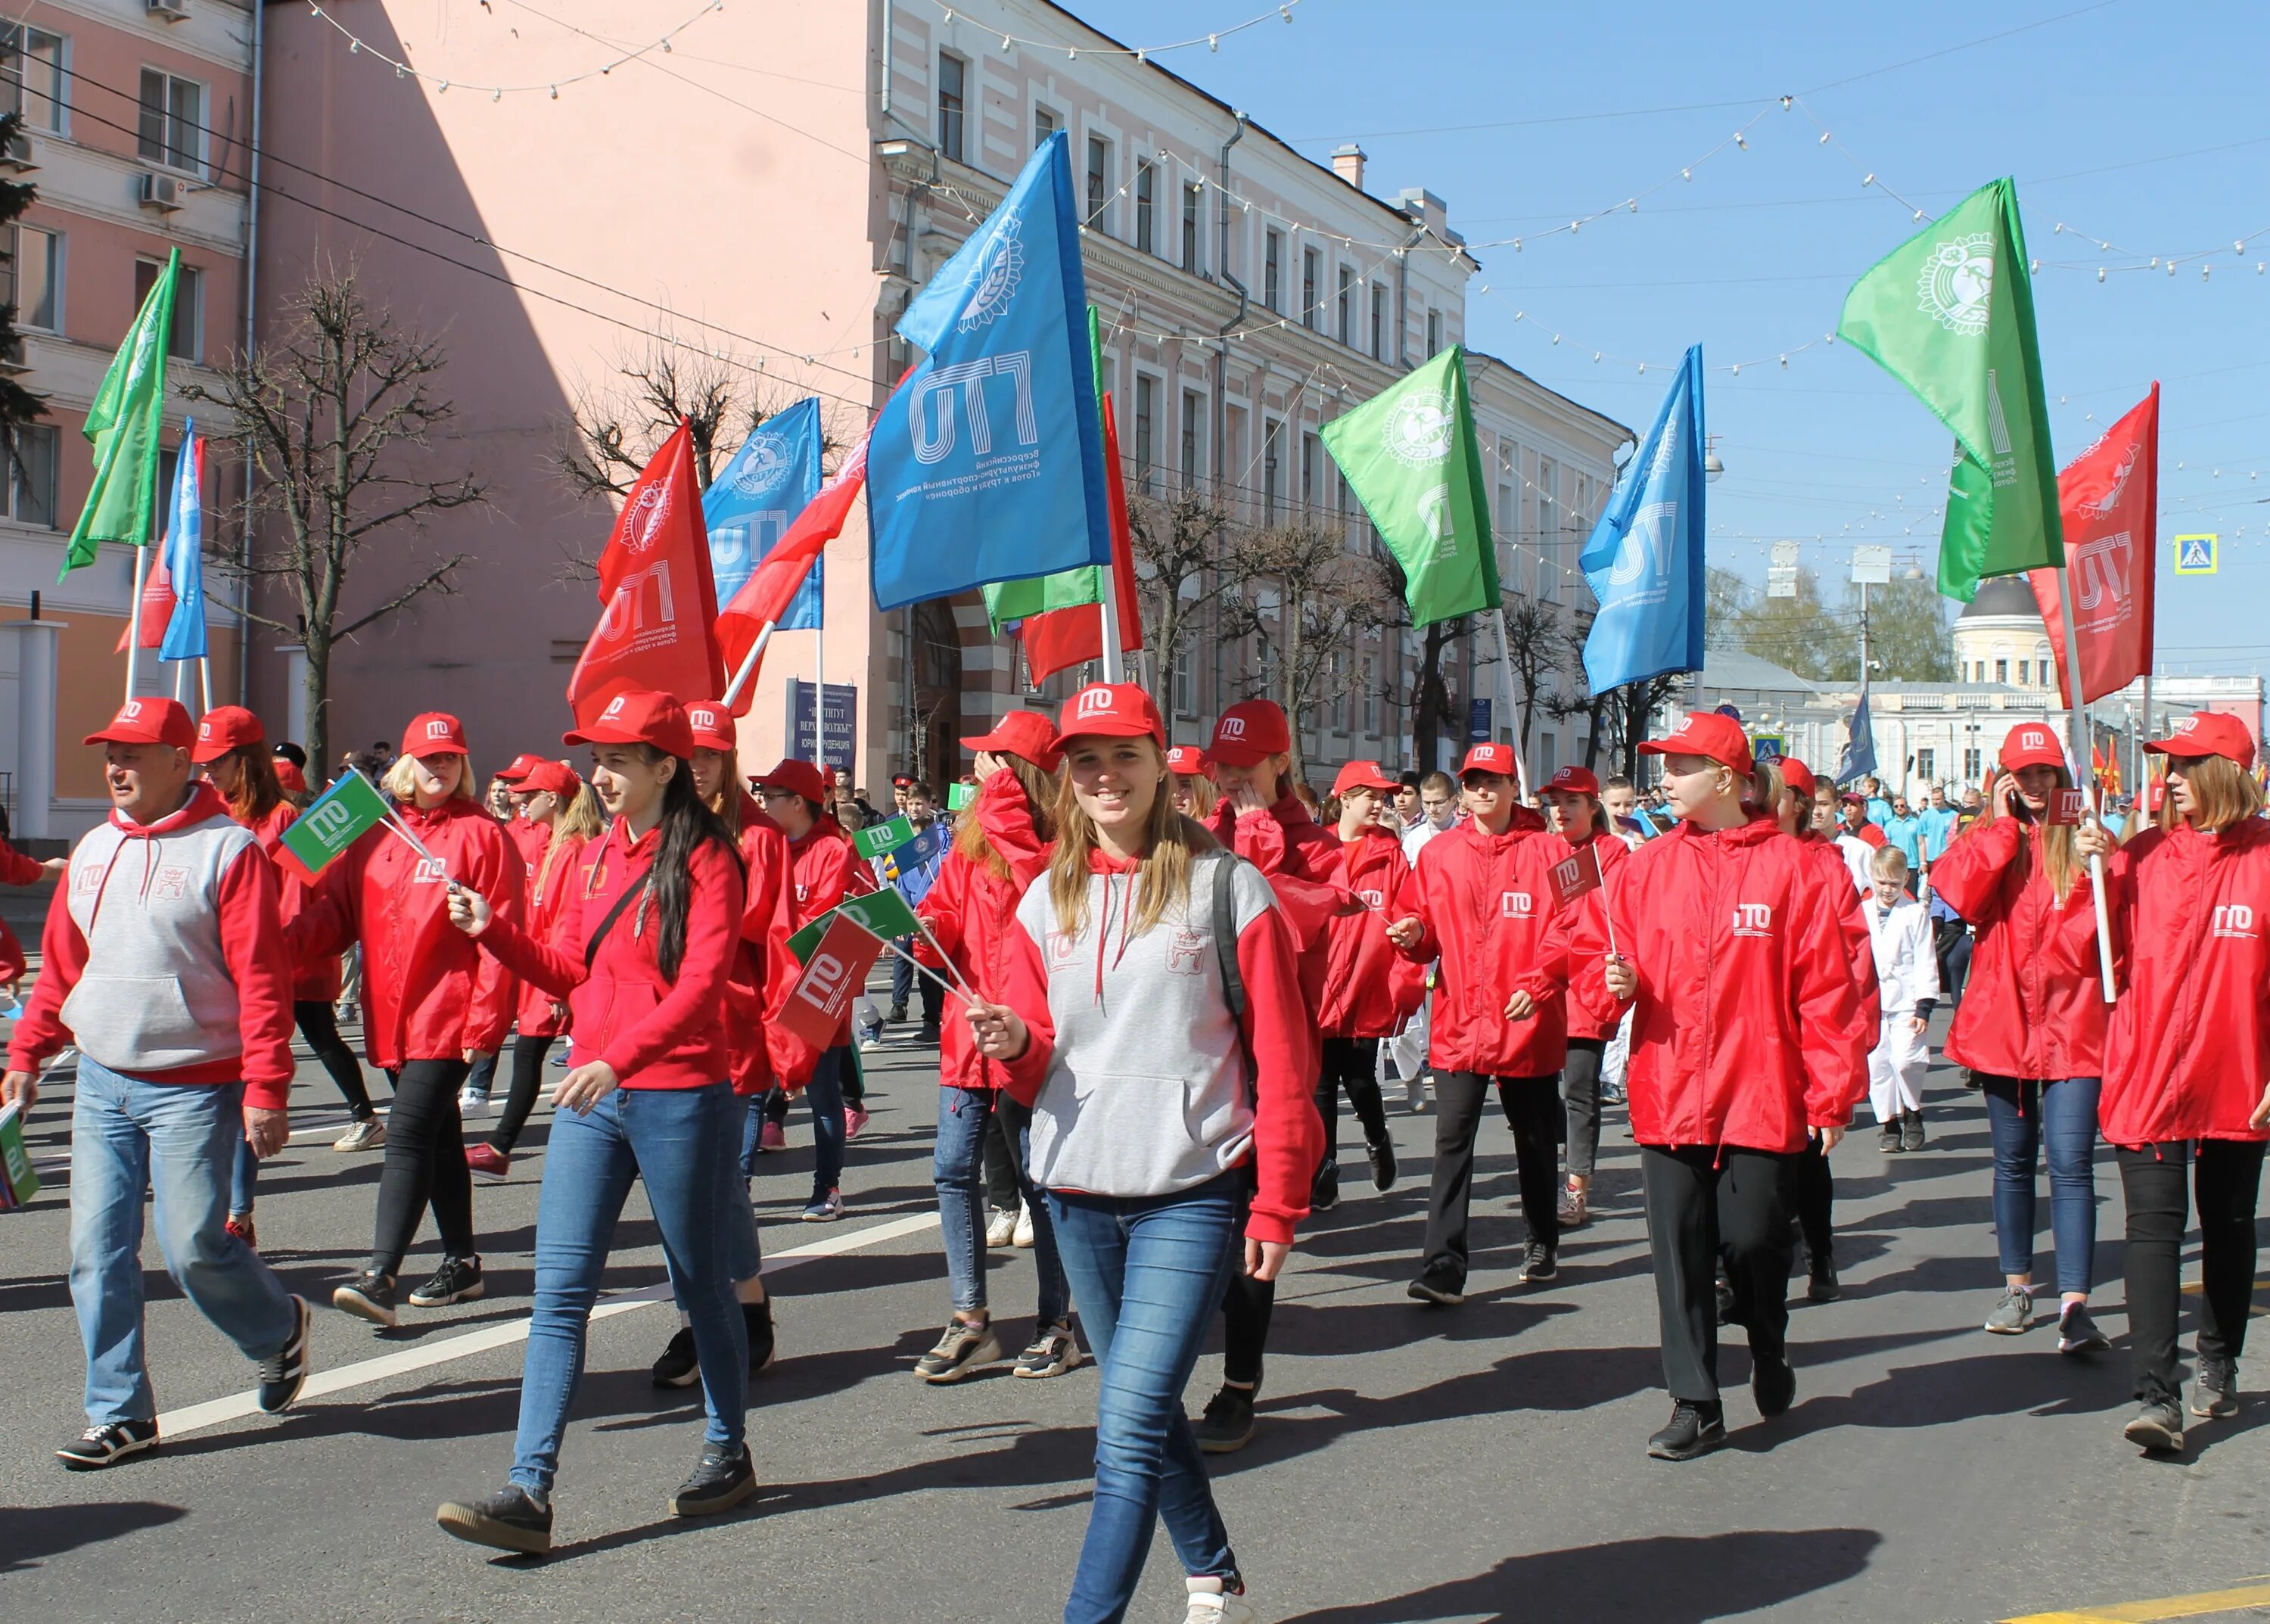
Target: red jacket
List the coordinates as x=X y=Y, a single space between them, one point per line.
x=316 y=979
x=16 y=868
x=2189 y=1051
x=654 y=1032
x=824 y=869
x=973 y=912
x=536 y=1013
x=2034 y=1007
x=530 y=839
x=1591 y=1013
x=1484 y=903
x=428 y=992
x=1860 y=944
x=1748 y=1026
x=1300 y=860
x=764 y=969
x=1370 y=989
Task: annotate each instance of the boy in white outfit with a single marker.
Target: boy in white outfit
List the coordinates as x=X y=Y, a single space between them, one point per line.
x=1907 y=973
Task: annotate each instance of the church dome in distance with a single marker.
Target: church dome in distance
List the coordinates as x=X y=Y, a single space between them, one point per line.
x=2002 y=595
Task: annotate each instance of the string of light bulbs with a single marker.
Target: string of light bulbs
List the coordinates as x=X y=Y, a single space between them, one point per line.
x=1212 y=40
x=403 y=68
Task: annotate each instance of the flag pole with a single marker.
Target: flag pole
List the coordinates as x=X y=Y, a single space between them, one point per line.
x=2085 y=760
x=1113 y=659
x=1512 y=714
x=820 y=703
x=134 y=615
x=748 y=665
x=204 y=678
x=180 y=681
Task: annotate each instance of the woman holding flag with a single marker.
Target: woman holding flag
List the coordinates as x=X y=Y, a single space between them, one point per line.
x=1572 y=805
x=431 y=1002
x=644 y=961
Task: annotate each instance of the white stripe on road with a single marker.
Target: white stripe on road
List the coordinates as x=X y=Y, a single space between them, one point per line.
x=212 y=1412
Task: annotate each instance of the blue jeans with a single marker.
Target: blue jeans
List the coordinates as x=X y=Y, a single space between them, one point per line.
x=959 y=1168
x=2025 y=1116
x=825 y=1095
x=1148 y=1272
x=176 y=1141
x=680 y=1142
x=243 y=1174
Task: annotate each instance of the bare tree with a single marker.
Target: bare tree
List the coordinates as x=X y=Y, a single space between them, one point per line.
x=1323 y=594
x=1430 y=696
x=1537 y=643
x=1181 y=579
x=326 y=415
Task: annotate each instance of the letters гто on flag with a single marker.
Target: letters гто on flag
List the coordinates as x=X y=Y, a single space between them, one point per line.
x=333 y=821
x=756 y=495
x=820 y=1004
x=2110 y=498
x=1644 y=560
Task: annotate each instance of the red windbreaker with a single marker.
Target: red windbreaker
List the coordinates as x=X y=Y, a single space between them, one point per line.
x=654 y=1032
x=428 y=992
x=532 y=840
x=537 y=1013
x=1590 y=1012
x=763 y=968
x=2189 y=1051
x=1370 y=990
x=2033 y=1006
x=972 y=910
x=1485 y=905
x=316 y=979
x=16 y=868
x=1300 y=860
x=1747 y=1030
x=824 y=869
x=1859 y=945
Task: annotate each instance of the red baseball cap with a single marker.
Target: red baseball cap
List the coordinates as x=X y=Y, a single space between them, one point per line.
x=1188 y=759
x=2033 y=744
x=512 y=771
x=223 y=729
x=1111 y=710
x=1797 y=776
x=557 y=776
x=713 y=726
x=797 y=778
x=1025 y=734
x=149 y=721
x=1251 y=731
x=2208 y=733
x=1362 y=776
x=1490 y=759
x=435 y=733
x=1705 y=733
x=641 y=717
x=289 y=775
x=1576 y=779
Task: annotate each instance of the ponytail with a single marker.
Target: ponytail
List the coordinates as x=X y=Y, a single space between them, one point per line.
x=686 y=825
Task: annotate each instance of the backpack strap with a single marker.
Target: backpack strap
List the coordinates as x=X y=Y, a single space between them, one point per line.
x=631 y=893
x=1225 y=934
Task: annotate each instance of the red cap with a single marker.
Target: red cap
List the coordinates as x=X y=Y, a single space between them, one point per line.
x=288 y=774
x=797 y=778
x=2032 y=744
x=713 y=726
x=1797 y=776
x=1490 y=759
x=1187 y=759
x=1362 y=776
x=1249 y=731
x=1705 y=733
x=557 y=776
x=516 y=769
x=1112 y=710
x=641 y=717
x=2208 y=733
x=1023 y=733
x=223 y=729
x=1576 y=779
x=149 y=721
x=436 y=733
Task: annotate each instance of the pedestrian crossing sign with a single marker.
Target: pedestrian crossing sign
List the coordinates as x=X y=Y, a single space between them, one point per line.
x=2195 y=555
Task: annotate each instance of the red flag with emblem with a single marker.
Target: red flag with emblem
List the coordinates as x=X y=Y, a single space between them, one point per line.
x=1063 y=638
x=156 y=610
x=818 y=1007
x=1576 y=874
x=2108 y=497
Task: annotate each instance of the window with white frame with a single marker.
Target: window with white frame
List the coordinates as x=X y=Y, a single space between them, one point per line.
x=1347 y=305
x=186 y=342
x=1312 y=273
x=171 y=128
x=1434 y=332
x=1099 y=184
x=1186 y=684
x=1146 y=179
x=1368 y=691
x=1193 y=198
x=1312 y=462
x=1146 y=427
x=1339 y=706
x=32 y=76
x=35 y=278
x=1926 y=764
x=1273 y=443
x=1193 y=462
x=1548 y=529
x=31 y=450
x=1272 y=270
x=953 y=104
x=1378 y=320
x=1045 y=123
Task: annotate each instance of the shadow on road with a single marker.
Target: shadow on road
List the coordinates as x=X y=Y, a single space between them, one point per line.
x=28 y=1535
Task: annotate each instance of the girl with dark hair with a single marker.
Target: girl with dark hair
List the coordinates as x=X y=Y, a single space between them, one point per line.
x=645 y=957
x=1572 y=803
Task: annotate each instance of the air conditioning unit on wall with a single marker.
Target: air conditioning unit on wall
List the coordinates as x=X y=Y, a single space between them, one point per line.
x=160 y=191
x=170 y=11
x=16 y=154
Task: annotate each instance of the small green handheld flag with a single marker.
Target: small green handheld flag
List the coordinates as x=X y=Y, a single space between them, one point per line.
x=877 y=838
x=884 y=912
x=958 y=795
x=19 y=1181
x=334 y=821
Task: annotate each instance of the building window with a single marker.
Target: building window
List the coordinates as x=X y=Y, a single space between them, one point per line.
x=1045 y=124
x=35 y=275
x=1339 y=681
x=2024 y=673
x=31 y=450
x=1368 y=687
x=172 y=128
x=1434 y=332
x=1378 y=321
x=1926 y=765
x=1311 y=466
x=1145 y=231
x=1146 y=423
x=1547 y=759
x=1347 y=306
x=1311 y=269
x=1548 y=529
x=1272 y=440
x=1186 y=696
x=953 y=86
x=31 y=78
x=1193 y=418
x=1970 y=764
x=1099 y=184
x=1272 y=270
x=187 y=341
x=1192 y=195
x=2001 y=670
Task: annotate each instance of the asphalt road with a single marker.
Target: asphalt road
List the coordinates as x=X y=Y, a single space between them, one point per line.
x=1413 y=1465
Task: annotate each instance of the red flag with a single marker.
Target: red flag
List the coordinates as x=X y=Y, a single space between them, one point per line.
x=1573 y=876
x=819 y=1005
x=1064 y=638
x=157 y=605
x=2108 y=497
x=765 y=596
x=659 y=599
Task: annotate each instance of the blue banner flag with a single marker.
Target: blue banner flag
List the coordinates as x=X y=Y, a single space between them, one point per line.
x=1860 y=742
x=987 y=465
x=756 y=496
x=1644 y=560
x=185 y=553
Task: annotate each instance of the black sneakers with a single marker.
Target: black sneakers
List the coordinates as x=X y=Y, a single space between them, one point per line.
x=1542 y=1264
x=511 y=1519
x=1910 y=1131
x=1888 y=1138
x=369 y=1295
x=1442 y=1290
x=1772 y=1383
x=2158 y=1425
x=722 y=1480
x=1227 y=1425
x=284 y=1373
x=458 y=1279
x=1821 y=1286
x=1381 y=1152
x=679 y=1365
x=1694 y=1429
x=106 y=1443
x=2216 y=1390
x=758 y=1318
x=1325 y=1191
x=2077 y=1333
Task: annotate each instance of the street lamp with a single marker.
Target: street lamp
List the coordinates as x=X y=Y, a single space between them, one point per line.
x=1713 y=469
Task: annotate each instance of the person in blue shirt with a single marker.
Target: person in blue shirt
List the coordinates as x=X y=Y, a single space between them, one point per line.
x=1905 y=830
x=1938 y=819
x=1880 y=809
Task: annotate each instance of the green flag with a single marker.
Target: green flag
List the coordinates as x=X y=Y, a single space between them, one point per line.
x=883 y=912
x=1950 y=314
x=125 y=424
x=1067 y=589
x=1411 y=457
x=335 y=820
x=958 y=795
x=889 y=835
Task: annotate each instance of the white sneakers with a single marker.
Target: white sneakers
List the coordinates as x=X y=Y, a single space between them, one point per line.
x=1021 y=1235
x=1000 y=1225
x=1209 y=1604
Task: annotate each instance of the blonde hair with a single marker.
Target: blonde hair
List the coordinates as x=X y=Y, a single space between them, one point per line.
x=1889 y=863
x=2059 y=860
x=1040 y=788
x=579 y=820
x=2226 y=792
x=1202 y=793
x=1162 y=873
x=1764 y=790
x=401 y=782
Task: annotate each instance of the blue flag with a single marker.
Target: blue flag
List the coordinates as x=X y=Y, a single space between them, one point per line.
x=185 y=554
x=987 y=465
x=1644 y=560
x=756 y=496
x=1860 y=742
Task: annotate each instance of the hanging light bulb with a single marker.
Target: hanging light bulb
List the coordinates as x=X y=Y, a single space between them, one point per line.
x=2100 y=273
x=555 y=93
x=2058 y=229
x=355 y=46
x=1824 y=139
x=1213 y=41
x=1868 y=179
x=1739 y=142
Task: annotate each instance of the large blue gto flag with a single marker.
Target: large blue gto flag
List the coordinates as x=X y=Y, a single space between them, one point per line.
x=1644 y=560
x=755 y=497
x=987 y=465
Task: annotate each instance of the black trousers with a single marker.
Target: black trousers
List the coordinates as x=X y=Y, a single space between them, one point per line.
x=528 y=1054
x=1702 y=1202
x=1813 y=1193
x=1247 y=1306
x=1533 y=1109
x=1351 y=1063
x=1580 y=1096
x=425 y=1165
x=2227 y=1176
x=1001 y=1192
x=319 y=1024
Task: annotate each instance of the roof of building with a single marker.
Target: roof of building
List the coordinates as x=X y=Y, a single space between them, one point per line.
x=1601 y=418
x=2002 y=595
x=1731 y=668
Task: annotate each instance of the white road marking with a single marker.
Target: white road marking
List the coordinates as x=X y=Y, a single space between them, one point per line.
x=213 y=1412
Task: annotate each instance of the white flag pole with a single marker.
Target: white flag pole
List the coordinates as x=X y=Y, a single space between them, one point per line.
x=748 y=665
x=204 y=677
x=180 y=681
x=134 y=617
x=2083 y=766
x=1113 y=659
x=1512 y=714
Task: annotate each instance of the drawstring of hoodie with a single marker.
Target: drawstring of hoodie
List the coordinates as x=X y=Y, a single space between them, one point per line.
x=1103 y=929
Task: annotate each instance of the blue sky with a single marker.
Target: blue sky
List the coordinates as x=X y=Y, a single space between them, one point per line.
x=2138 y=124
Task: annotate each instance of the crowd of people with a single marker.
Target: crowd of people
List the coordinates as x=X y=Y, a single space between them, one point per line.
x=1169 y=964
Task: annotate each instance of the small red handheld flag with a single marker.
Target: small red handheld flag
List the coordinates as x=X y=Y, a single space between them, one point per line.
x=1574 y=875
x=820 y=1002
x=1060 y=638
